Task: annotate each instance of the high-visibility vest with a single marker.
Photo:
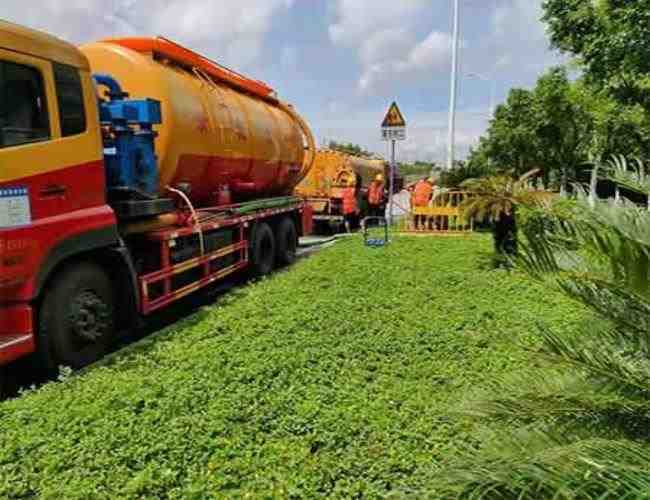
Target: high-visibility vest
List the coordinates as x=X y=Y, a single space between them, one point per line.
x=349 y=201
x=422 y=194
x=376 y=193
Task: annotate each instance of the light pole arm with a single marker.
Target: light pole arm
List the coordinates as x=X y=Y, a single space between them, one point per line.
x=493 y=90
x=493 y=84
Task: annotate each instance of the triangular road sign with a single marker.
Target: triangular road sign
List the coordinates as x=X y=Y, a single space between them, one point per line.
x=394 y=117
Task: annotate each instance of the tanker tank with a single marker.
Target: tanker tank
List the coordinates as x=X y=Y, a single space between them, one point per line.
x=219 y=130
x=333 y=170
x=367 y=169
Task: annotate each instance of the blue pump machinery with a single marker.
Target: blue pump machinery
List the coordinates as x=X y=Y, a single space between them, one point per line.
x=132 y=176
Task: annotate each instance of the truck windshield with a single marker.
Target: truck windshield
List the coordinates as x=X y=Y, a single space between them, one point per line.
x=23 y=110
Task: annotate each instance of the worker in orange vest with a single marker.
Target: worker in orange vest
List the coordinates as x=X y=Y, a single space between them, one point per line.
x=422 y=194
x=350 y=208
x=376 y=197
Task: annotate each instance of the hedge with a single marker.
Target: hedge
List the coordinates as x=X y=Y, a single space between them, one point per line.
x=335 y=378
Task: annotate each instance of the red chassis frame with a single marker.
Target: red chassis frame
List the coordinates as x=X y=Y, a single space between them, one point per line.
x=165 y=238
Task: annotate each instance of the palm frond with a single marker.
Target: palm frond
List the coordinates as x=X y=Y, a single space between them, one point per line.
x=552 y=395
x=539 y=465
x=614 y=245
x=607 y=357
x=495 y=195
x=631 y=175
x=529 y=175
x=619 y=306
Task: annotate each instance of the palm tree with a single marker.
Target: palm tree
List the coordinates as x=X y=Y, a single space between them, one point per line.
x=632 y=176
x=495 y=199
x=584 y=411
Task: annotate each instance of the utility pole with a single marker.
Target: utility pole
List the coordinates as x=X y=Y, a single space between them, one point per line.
x=454 y=89
x=391 y=182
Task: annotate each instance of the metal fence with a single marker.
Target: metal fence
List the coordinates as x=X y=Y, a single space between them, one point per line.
x=442 y=215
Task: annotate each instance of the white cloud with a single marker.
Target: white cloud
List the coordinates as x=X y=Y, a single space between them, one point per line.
x=519 y=16
x=232 y=32
x=356 y=19
x=415 y=60
x=381 y=33
x=503 y=36
x=383 y=45
x=519 y=39
x=431 y=51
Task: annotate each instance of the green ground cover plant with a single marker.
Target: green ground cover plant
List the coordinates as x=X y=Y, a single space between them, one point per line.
x=340 y=377
x=584 y=412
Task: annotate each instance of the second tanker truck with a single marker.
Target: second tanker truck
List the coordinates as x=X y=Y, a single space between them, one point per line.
x=132 y=173
x=333 y=170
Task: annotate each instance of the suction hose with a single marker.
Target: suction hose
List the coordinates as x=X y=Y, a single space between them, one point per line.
x=114 y=88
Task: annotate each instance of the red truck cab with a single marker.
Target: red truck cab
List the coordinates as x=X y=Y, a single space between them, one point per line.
x=52 y=193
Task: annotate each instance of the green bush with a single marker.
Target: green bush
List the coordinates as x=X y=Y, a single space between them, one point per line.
x=537 y=221
x=335 y=378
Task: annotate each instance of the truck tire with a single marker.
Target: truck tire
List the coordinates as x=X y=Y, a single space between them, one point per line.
x=262 y=250
x=286 y=242
x=76 y=320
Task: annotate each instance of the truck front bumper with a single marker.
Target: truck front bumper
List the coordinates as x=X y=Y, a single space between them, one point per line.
x=16 y=333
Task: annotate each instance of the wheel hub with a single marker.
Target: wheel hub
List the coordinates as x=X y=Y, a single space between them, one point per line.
x=88 y=316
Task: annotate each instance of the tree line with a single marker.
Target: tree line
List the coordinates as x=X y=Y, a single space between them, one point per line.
x=567 y=121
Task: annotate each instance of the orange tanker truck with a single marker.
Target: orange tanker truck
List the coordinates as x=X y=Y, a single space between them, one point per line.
x=332 y=172
x=132 y=173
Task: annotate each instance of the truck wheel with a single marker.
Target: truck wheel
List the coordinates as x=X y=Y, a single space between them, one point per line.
x=76 y=322
x=286 y=242
x=262 y=250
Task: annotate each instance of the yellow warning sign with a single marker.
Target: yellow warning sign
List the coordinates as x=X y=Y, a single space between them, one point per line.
x=394 y=117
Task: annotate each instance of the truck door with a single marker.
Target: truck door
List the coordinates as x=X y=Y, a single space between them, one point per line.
x=25 y=127
x=52 y=182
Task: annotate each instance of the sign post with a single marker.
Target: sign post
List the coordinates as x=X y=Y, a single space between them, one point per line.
x=393 y=129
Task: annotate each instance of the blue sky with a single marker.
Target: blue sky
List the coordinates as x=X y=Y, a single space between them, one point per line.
x=340 y=62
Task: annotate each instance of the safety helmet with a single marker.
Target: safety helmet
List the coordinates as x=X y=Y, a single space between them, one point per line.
x=379 y=178
x=431 y=180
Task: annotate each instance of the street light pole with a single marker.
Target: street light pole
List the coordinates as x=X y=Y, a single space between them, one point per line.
x=454 y=89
